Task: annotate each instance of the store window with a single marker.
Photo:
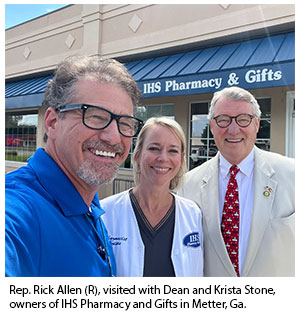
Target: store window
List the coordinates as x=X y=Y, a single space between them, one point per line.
x=202 y=145
x=263 y=135
x=144 y=113
x=20 y=135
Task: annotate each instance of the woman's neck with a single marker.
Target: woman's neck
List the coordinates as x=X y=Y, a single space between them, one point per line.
x=154 y=203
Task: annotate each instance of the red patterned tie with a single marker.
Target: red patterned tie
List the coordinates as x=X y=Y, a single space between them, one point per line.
x=230 y=219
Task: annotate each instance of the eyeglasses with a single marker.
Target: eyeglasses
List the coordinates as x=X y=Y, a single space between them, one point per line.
x=98 y=118
x=242 y=120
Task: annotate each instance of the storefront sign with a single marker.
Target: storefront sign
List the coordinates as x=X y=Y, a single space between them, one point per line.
x=275 y=75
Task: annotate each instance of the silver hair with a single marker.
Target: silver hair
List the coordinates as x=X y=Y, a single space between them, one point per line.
x=62 y=88
x=176 y=128
x=235 y=94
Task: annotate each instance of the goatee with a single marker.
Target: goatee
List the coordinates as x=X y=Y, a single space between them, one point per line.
x=100 y=174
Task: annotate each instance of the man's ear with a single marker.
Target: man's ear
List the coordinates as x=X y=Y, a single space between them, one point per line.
x=50 y=121
x=257 y=124
x=211 y=127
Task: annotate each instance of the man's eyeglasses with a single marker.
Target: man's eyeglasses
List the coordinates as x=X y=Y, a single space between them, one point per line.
x=98 y=118
x=242 y=120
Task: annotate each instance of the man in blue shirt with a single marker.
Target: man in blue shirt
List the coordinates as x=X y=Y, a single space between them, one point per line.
x=53 y=216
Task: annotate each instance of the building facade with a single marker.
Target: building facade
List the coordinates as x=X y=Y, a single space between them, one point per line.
x=178 y=54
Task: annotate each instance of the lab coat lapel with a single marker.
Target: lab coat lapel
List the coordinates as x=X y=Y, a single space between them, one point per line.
x=262 y=207
x=210 y=197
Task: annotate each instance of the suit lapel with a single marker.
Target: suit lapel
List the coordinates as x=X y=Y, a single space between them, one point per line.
x=263 y=199
x=209 y=192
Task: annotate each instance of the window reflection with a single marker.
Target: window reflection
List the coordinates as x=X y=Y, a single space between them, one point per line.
x=20 y=135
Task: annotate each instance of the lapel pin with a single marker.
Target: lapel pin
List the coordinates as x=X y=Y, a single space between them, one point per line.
x=267 y=191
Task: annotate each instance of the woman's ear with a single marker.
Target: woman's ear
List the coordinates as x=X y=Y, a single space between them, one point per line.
x=50 y=121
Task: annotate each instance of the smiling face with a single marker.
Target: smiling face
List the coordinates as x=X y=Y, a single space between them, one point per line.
x=234 y=142
x=89 y=156
x=160 y=157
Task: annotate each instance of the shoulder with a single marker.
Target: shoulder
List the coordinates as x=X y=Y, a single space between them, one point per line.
x=23 y=183
x=23 y=176
x=22 y=212
x=25 y=197
x=277 y=161
x=116 y=207
x=21 y=201
x=19 y=189
x=116 y=199
x=187 y=212
x=186 y=203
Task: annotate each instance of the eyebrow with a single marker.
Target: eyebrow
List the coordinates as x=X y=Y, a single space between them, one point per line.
x=158 y=144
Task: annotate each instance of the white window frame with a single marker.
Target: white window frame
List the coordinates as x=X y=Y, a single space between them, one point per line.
x=290 y=125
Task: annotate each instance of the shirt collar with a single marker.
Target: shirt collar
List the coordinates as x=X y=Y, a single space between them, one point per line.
x=58 y=185
x=246 y=166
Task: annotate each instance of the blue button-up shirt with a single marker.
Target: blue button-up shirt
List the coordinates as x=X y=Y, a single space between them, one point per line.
x=49 y=229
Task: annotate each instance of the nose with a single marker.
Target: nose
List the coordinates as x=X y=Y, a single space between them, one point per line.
x=163 y=155
x=110 y=134
x=233 y=128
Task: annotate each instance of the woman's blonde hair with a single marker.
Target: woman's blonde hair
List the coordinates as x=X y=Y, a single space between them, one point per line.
x=173 y=126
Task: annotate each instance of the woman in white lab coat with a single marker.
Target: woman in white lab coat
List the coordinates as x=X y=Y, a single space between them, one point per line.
x=153 y=231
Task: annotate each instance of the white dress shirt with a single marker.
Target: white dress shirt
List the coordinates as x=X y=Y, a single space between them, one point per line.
x=246 y=189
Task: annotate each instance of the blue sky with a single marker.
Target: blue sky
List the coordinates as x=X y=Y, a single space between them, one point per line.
x=18 y=13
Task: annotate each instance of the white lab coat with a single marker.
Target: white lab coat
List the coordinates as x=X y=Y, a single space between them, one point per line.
x=128 y=247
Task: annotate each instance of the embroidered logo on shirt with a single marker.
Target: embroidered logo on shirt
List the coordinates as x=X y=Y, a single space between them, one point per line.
x=117 y=240
x=192 y=239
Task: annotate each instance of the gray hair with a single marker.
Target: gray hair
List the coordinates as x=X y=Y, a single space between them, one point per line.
x=177 y=129
x=62 y=88
x=235 y=94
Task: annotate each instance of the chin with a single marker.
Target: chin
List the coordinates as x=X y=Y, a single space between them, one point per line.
x=97 y=175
